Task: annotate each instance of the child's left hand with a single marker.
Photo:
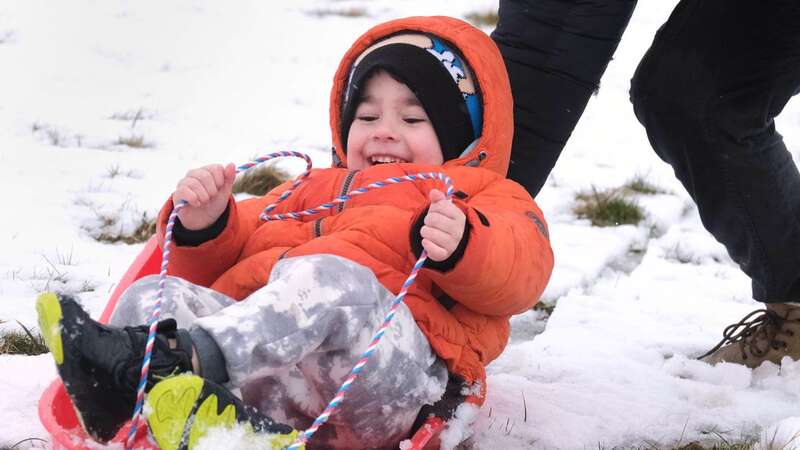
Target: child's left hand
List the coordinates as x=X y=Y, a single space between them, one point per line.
x=444 y=227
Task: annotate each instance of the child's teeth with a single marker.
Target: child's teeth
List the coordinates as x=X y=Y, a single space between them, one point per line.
x=385 y=159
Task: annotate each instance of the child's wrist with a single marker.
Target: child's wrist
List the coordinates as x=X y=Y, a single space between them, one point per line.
x=185 y=236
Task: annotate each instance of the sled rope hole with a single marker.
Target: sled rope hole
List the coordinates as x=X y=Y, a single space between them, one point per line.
x=304 y=436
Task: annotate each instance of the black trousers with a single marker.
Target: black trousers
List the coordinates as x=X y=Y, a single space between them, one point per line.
x=555 y=52
x=707 y=91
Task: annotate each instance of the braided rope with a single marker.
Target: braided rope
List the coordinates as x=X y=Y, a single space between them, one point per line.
x=153 y=323
x=356 y=370
x=341 y=199
x=303 y=437
x=162 y=279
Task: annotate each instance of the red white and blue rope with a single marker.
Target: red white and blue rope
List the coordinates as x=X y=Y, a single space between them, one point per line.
x=137 y=411
x=303 y=437
x=356 y=370
x=156 y=313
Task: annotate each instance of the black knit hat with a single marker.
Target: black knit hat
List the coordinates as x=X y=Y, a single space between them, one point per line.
x=438 y=78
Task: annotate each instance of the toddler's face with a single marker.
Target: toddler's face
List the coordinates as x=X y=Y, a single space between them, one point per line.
x=391 y=126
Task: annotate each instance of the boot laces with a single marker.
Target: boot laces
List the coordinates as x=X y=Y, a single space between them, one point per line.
x=761 y=325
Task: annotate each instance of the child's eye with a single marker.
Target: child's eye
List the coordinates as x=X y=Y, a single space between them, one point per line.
x=413 y=120
x=367 y=118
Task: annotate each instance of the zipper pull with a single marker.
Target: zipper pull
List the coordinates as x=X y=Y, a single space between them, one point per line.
x=477 y=161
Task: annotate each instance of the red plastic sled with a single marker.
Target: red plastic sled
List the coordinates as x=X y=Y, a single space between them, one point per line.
x=58 y=416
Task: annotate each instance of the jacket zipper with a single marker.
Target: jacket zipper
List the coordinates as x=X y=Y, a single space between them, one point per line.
x=475 y=162
x=348 y=180
x=318 y=228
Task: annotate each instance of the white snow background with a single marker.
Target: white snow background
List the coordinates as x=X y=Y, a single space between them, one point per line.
x=227 y=81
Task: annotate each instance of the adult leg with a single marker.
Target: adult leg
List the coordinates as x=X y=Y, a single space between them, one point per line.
x=555 y=52
x=707 y=91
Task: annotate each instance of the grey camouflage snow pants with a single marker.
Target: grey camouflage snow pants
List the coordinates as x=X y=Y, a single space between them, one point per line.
x=288 y=347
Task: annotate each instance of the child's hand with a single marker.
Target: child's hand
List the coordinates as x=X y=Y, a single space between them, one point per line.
x=207 y=190
x=444 y=227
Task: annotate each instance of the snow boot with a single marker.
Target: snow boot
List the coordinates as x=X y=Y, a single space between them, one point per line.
x=101 y=365
x=766 y=335
x=181 y=410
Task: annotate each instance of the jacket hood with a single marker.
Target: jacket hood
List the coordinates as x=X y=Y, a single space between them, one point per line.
x=492 y=150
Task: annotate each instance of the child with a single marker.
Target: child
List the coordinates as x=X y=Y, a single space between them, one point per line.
x=282 y=310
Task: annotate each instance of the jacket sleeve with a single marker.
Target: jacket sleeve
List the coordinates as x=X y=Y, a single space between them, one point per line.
x=204 y=263
x=508 y=259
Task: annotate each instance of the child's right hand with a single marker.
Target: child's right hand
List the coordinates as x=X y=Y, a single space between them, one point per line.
x=207 y=190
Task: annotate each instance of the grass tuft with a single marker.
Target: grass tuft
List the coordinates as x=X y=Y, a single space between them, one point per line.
x=607 y=208
x=548 y=308
x=145 y=228
x=133 y=116
x=64 y=259
x=55 y=136
x=483 y=19
x=640 y=185
x=722 y=446
x=346 y=12
x=260 y=180
x=115 y=171
x=746 y=444
x=133 y=141
x=22 y=343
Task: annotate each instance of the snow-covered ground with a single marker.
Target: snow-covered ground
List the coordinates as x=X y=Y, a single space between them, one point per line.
x=203 y=82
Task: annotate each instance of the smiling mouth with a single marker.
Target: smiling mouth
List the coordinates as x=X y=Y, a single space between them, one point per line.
x=383 y=159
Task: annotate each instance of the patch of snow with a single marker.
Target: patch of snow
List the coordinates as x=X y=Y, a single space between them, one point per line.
x=613 y=367
x=459 y=427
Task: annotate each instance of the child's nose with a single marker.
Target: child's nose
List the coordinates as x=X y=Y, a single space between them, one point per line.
x=384 y=131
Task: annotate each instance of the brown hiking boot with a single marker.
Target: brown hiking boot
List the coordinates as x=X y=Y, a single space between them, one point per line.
x=766 y=335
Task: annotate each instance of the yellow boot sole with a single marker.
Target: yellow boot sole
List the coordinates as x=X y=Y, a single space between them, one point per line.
x=180 y=412
x=49 y=311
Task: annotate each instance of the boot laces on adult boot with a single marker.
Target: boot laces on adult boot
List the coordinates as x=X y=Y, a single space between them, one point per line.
x=100 y=365
x=763 y=335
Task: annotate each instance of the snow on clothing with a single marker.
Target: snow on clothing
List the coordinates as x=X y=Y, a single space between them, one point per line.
x=289 y=345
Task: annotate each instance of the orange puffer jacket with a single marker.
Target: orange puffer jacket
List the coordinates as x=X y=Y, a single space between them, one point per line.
x=506 y=263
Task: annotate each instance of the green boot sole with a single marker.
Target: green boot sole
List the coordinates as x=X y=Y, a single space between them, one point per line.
x=49 y=312
x=68 y=331
x=182 y=409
